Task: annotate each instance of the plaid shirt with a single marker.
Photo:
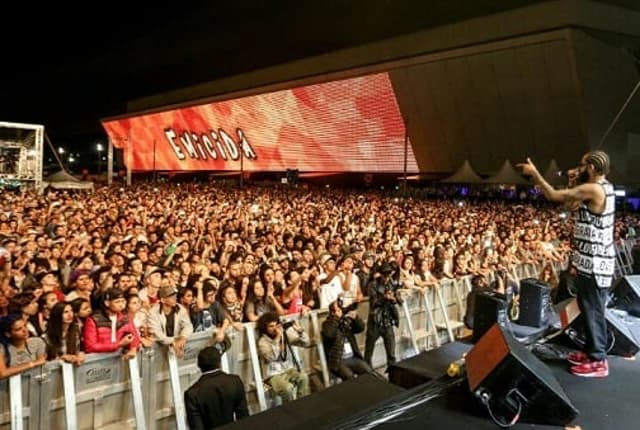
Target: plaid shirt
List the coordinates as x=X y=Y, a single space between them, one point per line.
x=335 y=331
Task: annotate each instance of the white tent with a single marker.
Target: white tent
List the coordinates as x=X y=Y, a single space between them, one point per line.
x=464 y=175
x=63 y=180
x=552 y=175
x=507 y=175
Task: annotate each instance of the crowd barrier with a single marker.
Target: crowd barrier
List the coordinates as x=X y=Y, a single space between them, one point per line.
x=624 y=257
x=147 y=392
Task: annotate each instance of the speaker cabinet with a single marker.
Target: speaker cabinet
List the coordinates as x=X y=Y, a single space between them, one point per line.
x=489 y=308
x=511 y=382
x=621 y=341
x=567 y=311
x=626 y=295
x=535 y=299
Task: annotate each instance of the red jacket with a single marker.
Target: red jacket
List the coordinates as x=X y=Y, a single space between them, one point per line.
x=97 y=333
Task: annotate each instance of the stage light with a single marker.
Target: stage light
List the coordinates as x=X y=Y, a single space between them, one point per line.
x=99 y=147
x=71 y=159
x=61 y=150
x=620 y=193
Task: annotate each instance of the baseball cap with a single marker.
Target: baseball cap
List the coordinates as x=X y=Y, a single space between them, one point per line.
x=154 y=269
x=167 y=291
x=326 y=257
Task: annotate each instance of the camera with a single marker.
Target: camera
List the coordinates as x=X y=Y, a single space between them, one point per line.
x=287 y=324
x=347 y=304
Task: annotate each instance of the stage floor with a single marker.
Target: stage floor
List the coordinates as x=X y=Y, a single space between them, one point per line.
x=609 y=403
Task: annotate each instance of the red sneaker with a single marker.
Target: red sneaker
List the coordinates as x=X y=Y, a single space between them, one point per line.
x=591 y=369
x=577 y=358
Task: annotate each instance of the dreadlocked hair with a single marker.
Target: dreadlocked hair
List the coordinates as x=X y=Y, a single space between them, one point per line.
x=599 y=160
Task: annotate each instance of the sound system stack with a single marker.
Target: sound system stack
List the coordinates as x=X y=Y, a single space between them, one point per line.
x=621 y=340
x=535 y=301
x=511 y=382
x=623 y=332
x=626 y=295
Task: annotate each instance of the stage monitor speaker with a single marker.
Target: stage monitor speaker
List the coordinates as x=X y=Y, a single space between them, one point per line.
x=567 y=311
x=511 y=382
x=535 y=299
x=621 y=340
x=489 y=308
x=626 y=295
x=635 y=255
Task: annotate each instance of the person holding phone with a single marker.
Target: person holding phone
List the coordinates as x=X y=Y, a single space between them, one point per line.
x=109 y=329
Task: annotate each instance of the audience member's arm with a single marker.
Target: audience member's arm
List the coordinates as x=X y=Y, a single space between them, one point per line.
x=298 y=336
x=200 y=305
x=91 y=342
x=6 y=372
x=155 y=326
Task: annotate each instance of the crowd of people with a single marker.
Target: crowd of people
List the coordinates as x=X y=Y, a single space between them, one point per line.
x=119 y=269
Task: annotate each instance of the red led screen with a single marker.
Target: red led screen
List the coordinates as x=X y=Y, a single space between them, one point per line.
x=349 y=125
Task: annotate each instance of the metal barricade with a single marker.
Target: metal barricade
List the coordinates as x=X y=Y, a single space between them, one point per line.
x=168 y=378
x=448 y=324
x=100 y=393
x=100 y=390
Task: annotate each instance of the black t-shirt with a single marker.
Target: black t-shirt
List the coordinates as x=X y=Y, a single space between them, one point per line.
x=218 y=313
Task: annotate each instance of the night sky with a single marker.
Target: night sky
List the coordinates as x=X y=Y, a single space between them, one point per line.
x=67 y=67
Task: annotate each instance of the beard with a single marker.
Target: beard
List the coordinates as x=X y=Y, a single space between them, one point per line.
x=583 y=177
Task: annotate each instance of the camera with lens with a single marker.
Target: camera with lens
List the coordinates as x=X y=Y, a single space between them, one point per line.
x=347 y=304
x=287 y=324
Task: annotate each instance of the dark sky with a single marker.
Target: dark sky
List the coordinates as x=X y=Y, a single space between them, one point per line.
x=67 y=67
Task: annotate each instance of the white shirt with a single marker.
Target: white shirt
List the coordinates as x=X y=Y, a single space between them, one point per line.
x=114 y=322
x=330 y=292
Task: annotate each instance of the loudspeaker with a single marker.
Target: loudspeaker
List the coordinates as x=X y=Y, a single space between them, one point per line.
x=621 y=342
x=625 y=295
x=567 y=311
x=535 y=299
x=489 y=308
x=635 y=255
x=511 y=382
x=426 y=366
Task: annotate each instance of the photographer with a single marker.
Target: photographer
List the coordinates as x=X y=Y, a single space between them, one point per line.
x=338 y=336
x=284 y=373
x=383 y=314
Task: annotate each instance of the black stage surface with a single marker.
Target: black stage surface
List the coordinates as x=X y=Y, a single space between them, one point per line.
x=609 y=403
x=320 y=410
x=426 y=366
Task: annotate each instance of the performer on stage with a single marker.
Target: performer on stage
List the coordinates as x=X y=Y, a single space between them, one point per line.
x=593 y=258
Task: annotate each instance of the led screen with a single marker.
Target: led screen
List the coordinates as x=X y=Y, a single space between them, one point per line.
x=348 y=125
